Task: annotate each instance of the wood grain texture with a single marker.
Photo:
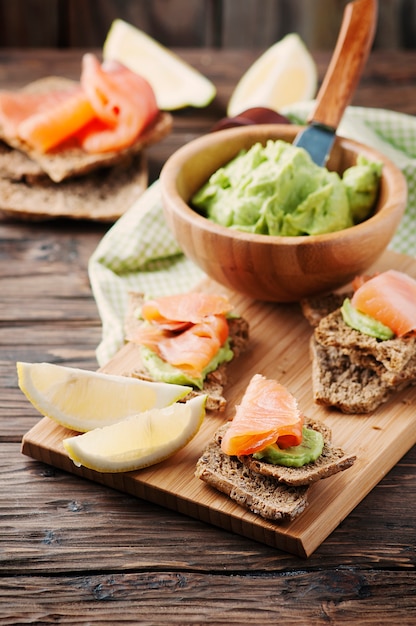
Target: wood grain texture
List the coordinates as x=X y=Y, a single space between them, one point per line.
x=379 y=439
x=207 y=23
x=199 y=599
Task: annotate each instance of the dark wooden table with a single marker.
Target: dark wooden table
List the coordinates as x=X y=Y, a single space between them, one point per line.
x=74 y=552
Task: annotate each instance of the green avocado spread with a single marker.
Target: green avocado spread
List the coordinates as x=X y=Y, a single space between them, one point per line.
x=295 y=456
x=277 y=189
x=364 y=323
x=162 y=371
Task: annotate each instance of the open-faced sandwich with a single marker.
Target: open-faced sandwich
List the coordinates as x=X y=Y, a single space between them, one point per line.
x=270 y=453
x=77 y=147
x=364 y=342
x=186 y=339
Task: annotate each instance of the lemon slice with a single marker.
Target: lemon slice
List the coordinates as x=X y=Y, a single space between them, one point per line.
x=176 y=83
x=140 y=440
x=286 y=73
x=83 y=400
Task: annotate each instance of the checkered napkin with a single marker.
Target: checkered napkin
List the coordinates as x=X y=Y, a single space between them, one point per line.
x=139 y=253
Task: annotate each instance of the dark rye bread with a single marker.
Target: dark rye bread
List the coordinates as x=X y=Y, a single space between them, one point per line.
x=332 y=460
x=15 y=166
x=339 y=383
x=397 y=355
x=69 y=160
x=262 y=495
x=215 y=381
x=351 y=371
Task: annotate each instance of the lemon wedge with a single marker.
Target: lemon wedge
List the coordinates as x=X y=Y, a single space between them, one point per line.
x=140 y=440
x=83 y=400
x=286 y=73
x=176 y=83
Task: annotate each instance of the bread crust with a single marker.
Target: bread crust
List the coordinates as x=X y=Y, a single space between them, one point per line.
x=102 y=195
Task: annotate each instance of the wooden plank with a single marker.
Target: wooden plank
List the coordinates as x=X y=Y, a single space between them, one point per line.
x=326 y=597
x=379 y=439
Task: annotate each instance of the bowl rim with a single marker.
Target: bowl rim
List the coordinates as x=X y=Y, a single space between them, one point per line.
x=194 y=147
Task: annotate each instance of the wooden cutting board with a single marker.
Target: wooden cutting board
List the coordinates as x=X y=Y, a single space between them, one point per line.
x=278 y=349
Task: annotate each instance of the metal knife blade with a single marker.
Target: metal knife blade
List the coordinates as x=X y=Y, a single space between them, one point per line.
x=341 y=79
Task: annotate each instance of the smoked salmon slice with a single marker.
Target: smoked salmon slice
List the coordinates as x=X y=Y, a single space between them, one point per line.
x=16 y=107
x=106 y=111
x=184 y=330
x=53 y=125
x=268 y=414
x=192 y=350
x=174 y=312
x=390 y=298
x=123 y=101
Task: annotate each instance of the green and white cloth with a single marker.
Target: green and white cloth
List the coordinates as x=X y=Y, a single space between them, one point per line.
x=139 y=253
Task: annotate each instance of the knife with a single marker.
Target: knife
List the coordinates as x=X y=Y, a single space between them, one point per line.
x=341 y=79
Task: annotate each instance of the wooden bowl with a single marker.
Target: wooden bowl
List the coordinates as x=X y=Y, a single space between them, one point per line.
x=280 y=269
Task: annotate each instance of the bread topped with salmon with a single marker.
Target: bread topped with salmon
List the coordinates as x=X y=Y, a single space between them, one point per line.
x=269 y=454
x=61 y=130
x=363 y=346
x=189 y=339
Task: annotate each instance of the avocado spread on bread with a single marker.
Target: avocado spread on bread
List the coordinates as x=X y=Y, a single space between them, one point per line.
x=295 y=456
x=364 y=323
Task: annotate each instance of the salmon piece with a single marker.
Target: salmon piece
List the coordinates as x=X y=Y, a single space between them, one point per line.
x=123 y=101
x=268 y=414
x=179 y=311
x=49 y=128
x=190 y=350
x=106 y=112
x=390 y=298
x=184 y=330
x=16 y=107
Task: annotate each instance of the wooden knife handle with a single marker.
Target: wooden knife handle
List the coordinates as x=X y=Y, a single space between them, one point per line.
x=347 y=63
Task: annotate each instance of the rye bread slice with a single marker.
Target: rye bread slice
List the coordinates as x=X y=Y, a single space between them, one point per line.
x=69 y=160
x=15 y=166
x=351 y=371
x=262 y=495
x=332 y=460
x=396 y=355
x=215 y=381
x=338 y=382
x=102 y=195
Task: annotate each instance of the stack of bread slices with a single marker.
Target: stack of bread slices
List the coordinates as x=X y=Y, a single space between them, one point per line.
x=69 y=182
x=274 y=492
